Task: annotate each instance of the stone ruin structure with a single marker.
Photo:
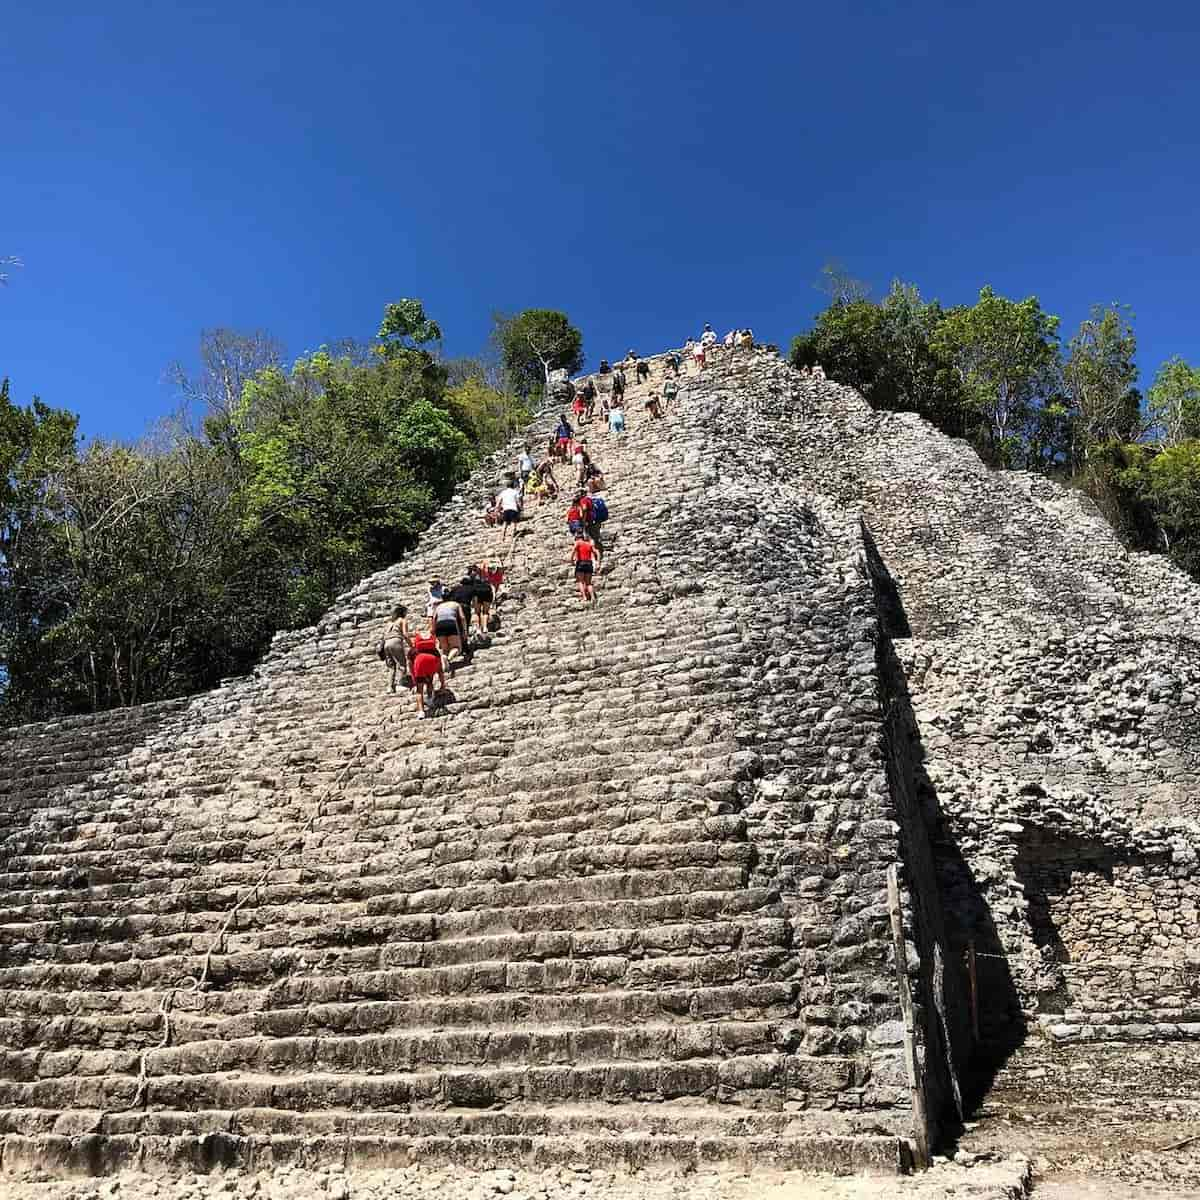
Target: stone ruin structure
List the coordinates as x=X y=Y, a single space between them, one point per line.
x=627 y=896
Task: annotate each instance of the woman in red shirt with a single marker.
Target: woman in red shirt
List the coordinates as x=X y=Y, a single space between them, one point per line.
x=424 y=662
x=583 y=558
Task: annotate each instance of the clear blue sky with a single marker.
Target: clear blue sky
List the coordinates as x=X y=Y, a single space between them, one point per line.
x=646 y=167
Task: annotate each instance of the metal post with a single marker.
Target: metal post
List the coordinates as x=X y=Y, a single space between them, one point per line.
x=920 y=1123
x=973 y=984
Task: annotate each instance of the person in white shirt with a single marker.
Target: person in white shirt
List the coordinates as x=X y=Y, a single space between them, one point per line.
x=510 y=509
x=708 y=337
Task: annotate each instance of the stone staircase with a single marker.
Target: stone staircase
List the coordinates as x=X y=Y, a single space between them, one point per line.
x=622 y=898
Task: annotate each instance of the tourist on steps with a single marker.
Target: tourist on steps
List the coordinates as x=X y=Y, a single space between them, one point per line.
x=643 y=370
x=698 y=355
x=575 y=517
x=424 y=663
x=545 y=472
x=618 y=386
x=449 y=626
x=583 y=560
x=396 y=639
x=672 y=363
x=670 y=392
x=616 y=416
x=525 y=464
x=594 y=508
x=509 y=501
x=654 y=405
x=563 y=435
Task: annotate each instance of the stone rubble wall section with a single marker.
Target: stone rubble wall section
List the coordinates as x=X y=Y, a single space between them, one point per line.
x=1055 y=680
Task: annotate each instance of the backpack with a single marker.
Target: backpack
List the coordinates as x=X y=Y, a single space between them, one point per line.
x=599 y=510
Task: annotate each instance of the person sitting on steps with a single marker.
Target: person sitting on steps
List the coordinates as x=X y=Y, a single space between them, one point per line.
x=654 y=405
x=583 y=562
x=545 y=472
x=423 y=664
x=396 y=640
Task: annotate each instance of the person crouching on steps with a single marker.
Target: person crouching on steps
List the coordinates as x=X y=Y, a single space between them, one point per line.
x=449 y=626
x=424 y=663
x=583 y=559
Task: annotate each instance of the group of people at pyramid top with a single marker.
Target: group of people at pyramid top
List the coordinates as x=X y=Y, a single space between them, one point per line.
x=734 y=340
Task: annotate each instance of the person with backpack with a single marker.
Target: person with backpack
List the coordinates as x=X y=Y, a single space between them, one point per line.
x=672 y=363
x=583 y=561
x=425 y=662
x=642 y=370
x=589 y=398
x=595 y=513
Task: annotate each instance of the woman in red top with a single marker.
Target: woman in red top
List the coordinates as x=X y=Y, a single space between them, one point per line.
x=424 y=663
x=583 y=558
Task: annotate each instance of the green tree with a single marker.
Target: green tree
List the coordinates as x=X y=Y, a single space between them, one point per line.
x=36 y=445
x=886 y=351
x=344 y=466
x=1099 y=376
x=534 y=343
x=1174 y=402
x=849 y=343
x=1005 y=354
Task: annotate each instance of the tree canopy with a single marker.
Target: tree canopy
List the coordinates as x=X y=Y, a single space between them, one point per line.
x=535 y=342
x=994 y=372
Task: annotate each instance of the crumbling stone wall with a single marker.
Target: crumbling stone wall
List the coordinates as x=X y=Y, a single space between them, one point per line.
x=1054 y=680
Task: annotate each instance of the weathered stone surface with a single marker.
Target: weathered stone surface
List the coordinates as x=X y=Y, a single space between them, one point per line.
x=637 y=862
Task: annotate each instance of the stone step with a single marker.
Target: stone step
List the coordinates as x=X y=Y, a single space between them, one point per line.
x=486 y=884
x=107 y=1154
x=768 y=1081
x=401 y=1050
x=659 y=1119
x=116 y=1020
x=265 y=967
